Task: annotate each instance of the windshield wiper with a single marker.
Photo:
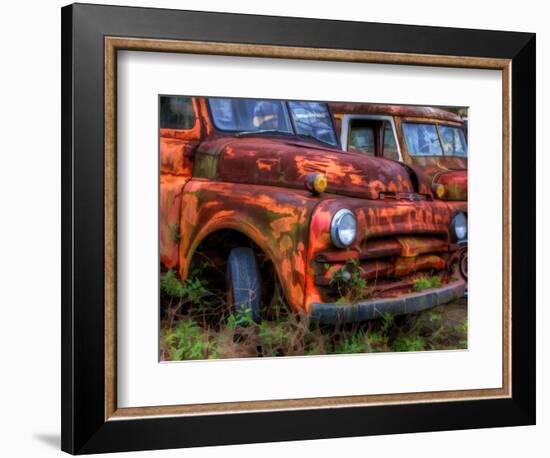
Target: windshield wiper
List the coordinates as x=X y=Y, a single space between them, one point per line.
x=261 y=131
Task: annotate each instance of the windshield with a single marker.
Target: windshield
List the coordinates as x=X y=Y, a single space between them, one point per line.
x=432 y=140
x=312 y=119
x=251 y=116
x=454 y=141
x=422 y=139
x=243 y=115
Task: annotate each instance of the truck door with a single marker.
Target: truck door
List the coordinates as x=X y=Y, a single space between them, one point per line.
x=179 y=136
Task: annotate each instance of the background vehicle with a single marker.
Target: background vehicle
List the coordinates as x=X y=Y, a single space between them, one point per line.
x=431 y=140
x=262 y=190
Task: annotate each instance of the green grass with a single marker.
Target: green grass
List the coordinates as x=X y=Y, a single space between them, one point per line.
x=408 y=343
x=196 y=324
x=421 y=284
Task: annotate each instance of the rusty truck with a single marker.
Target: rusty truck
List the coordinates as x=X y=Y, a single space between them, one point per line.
x=263 y=189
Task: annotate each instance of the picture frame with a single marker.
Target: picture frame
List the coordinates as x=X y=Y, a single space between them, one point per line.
x=92 y=35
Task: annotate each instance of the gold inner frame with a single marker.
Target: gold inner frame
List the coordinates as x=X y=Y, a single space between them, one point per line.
x=114 y=44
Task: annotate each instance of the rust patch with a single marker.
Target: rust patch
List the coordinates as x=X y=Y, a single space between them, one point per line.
x=286 y=163
x=393 y=110
x=413 y=246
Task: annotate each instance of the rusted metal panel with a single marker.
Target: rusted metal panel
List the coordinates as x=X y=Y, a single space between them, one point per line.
x=369 y=270
x=377 y=269
x=405 y=266
x=275 y=219
x=406 y=246
x=455 y=182
x=393 y=110
x=174 y=156
x=286 y=164
x=171 y=188
x=413 y=246
x=375 y=219
x=176 y=149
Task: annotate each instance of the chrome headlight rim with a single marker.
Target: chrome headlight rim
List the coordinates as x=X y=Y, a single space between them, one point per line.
x=459 y=229
x=335 y=229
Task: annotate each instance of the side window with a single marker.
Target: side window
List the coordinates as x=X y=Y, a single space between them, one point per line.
x=361 y=140
x=176 y=112
x=389 y=149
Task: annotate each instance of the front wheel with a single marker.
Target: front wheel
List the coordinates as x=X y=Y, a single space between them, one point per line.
x=243 y=282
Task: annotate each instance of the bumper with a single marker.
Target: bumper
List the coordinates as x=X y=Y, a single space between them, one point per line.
x=375 y=308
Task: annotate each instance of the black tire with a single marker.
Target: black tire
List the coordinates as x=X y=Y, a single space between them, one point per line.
x=243 y=282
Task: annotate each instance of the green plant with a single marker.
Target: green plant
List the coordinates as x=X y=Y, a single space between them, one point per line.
x=193 y=290
x=387 y=322
x=205 y=329
x=242 y=319
x=274 y=337
x=171 y=285
x=349 y=282
x=423 y=283
x=463 y=327
x=377 y=341
x=405 y=343
x=354 y=343
x=187 y=341
x=435 y=318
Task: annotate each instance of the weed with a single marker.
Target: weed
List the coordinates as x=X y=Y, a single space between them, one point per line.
x=423 y=283
x=435 y=318
x=241 y=319
x=377 y=342
x=405 y=343
x=463 y=327
x=192 y=290
x=350 y=284
x=354 y=343
x=170 y=285
x=196 y=324
x=387 y=321
x=187 y=341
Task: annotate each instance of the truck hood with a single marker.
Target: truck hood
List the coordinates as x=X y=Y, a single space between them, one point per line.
x=433 y=165
x=287 y=162
x=456 y=184
x=449 y=171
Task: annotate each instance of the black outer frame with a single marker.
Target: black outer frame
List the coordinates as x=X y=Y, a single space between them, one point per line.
x=84 y=429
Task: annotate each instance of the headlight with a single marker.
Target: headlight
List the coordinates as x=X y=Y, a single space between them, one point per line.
x=439 y=190
x=343 y=228
x=459 y=226
x=316 y=183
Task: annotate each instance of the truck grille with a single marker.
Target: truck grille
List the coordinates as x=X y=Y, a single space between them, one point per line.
x=387 y=266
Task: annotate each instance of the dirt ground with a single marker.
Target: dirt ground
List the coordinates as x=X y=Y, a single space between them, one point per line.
x=453 y=313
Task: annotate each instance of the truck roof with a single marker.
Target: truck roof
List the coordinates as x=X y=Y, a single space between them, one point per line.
x=393 y=110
